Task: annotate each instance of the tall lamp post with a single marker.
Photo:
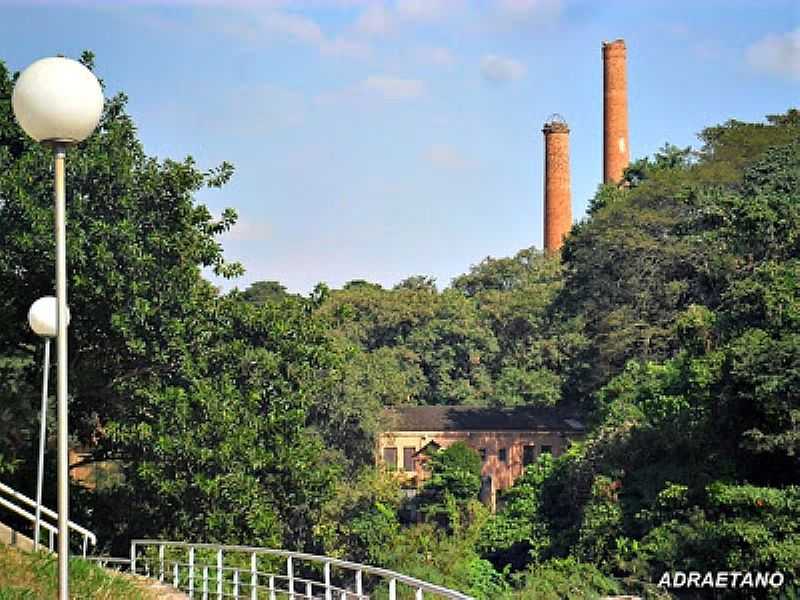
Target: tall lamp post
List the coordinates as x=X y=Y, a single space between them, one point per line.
x=43 y=320
x=58 y=101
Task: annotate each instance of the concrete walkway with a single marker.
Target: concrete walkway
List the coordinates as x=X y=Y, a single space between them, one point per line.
x=158 y=590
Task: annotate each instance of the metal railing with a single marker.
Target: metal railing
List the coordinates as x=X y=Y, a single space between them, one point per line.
x=244 y=572
x=52 y=530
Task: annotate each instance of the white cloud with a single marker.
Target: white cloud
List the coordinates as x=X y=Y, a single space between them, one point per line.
x=427 y=11
x=394 y=88
x=306 y=31
x=679 y=30
x=362 y=94
x=293 y=26
x=708 y=50
x=447 y=157
x=342 y=46
x=245 y=111
x=281 y=4
x=257 y=26
x=433 y=55
x=249 y=231
x=529 y=12
x=375 y=20
x=243 y=230
x=379 y=19
x=498 y=69
x=776 y=54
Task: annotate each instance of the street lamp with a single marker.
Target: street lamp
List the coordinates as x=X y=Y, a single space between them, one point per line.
x=42 y=319
x=58 y=101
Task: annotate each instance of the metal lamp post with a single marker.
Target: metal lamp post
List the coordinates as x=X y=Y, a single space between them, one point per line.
x=42 y=318
x=58 y=101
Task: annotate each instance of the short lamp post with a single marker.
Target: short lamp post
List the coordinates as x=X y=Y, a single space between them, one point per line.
x=42 y=319
x=58 y=101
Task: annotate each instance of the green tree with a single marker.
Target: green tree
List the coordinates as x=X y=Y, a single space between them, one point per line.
x=134 y=258
x=455 y=470
x=417 y=282
x=230 y=455
x=518 y=533
x=455 y=351
x=565 y=578
x=515 y=299
x=440 y=335
x=349 y=401
x=455 y=480
x=205 y=402
x=731 y=148
x=449 y=558
x=360 y=521
x=696 y=426
x=260 y=292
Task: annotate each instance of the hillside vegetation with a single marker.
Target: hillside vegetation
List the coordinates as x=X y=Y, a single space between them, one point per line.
x=669 y=321
x=31 y=576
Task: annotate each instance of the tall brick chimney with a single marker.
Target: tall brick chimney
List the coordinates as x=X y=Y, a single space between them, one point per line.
x=557 y=195
x=615 y=112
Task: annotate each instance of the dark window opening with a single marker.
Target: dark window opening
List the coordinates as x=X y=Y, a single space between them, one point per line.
x=528 y=455
x=408 y=459
x=547 y=449
x=482 y=452
x=502 y=454
x=390 y=457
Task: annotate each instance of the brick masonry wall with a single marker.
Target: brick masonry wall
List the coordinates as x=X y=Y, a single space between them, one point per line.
x=503 y=473
x=557 y=193
x=615 y=111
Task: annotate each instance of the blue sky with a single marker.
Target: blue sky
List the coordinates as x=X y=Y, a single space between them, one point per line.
x=379 y=140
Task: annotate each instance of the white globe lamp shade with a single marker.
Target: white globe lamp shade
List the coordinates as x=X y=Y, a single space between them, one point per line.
x=43 y=316
x=57 y=99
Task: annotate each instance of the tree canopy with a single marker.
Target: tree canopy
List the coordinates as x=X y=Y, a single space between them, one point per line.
x=669 y=319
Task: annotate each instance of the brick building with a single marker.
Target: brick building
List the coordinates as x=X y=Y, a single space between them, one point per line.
x=507 y=439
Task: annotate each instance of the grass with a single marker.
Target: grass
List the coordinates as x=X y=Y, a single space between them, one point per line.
x=34 y=576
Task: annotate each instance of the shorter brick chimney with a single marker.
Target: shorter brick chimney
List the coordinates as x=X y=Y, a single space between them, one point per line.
x=557 y=194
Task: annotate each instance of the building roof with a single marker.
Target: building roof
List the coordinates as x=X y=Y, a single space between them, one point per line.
x=470 y=418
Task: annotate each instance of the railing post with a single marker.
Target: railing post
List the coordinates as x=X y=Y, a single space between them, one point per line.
x=253 y=576
x=50 y=544
x=345 y=588
x=290 y=575
x=219 y=574
x=191 y=572
x=327 y=573
x=85 y=543
x=133 y=553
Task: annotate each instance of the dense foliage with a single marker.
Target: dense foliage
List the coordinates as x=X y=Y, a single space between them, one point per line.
x=670 y=319
x=204 y=402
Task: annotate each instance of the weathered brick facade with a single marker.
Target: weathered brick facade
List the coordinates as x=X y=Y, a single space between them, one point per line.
x=557 y=194
x=506 y=439
x=616 y=155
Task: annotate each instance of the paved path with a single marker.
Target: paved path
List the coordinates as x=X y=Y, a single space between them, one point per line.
x=158 y=590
